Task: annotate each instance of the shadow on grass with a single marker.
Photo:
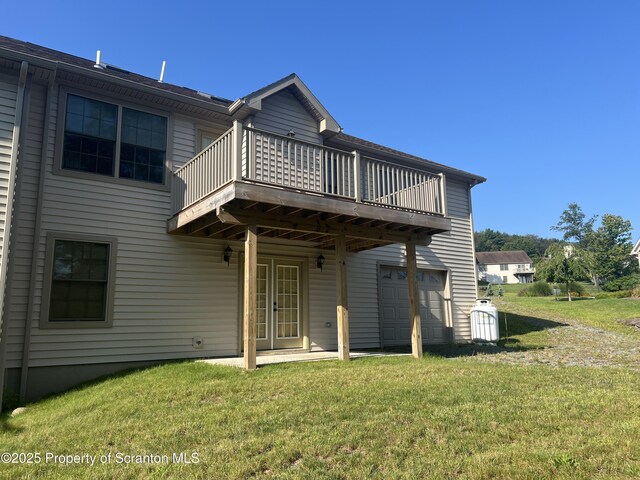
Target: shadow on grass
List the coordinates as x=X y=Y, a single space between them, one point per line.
x=6 y=426
x=517 y=326
x=12 y=402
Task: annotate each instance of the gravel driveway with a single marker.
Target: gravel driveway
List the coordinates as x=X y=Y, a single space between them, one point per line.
x=572 y=344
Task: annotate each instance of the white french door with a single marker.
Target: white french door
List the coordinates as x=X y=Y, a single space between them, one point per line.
x=279 y=304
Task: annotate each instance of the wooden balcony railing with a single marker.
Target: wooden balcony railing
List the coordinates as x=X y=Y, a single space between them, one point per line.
x=206 y=172
x=254 y=155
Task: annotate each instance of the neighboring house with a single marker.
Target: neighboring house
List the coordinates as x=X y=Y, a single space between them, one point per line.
x=505 y=267
x=635 y=251
x=151 y=222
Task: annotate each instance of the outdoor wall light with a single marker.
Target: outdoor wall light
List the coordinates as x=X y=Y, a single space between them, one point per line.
x=227 y=254
x=320 y=261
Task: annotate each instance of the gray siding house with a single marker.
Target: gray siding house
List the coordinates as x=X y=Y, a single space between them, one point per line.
x=142 y=222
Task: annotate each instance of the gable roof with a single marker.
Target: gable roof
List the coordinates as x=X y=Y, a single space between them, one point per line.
x=496 y=258
x=308 y=100
x=636 y=249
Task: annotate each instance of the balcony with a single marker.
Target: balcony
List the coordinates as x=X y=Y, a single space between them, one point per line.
x=295 y=190
x=524 y=270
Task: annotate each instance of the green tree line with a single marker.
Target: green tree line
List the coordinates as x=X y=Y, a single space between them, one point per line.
x=494 y=241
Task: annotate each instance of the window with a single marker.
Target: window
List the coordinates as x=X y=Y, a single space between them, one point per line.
x=111 y=140
x=205 y=138
x=79 y=287
x=504 y=267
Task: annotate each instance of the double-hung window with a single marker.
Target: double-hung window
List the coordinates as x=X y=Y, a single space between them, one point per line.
x=104 y=138
x=79 y=281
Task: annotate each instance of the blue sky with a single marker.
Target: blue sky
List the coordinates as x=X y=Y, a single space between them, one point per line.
x=541 y=97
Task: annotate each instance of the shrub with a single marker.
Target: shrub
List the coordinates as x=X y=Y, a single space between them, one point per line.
x=537 y=289
x=628 y=282
x=618 y=294
x=576 y=289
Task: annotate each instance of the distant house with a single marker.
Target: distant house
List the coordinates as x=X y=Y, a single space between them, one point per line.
x=635 y=251
x=505 y=267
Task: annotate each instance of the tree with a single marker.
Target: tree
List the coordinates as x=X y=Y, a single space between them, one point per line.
x=609 y=249
x=489 y=240
x=573 y=224
x=563 y=263
x=493 y=241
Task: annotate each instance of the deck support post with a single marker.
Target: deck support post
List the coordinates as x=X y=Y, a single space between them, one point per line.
x=341 y=298
x=414 y=300
x=250 y=296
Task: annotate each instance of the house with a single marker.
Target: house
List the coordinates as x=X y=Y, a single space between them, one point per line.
x=144 y=222
x=635 y=251
x=505 y=267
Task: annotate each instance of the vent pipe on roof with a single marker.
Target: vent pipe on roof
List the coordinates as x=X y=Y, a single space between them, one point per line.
x=164 y=64
x=98 y=60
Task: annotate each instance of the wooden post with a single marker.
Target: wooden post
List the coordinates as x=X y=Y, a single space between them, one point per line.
x=341 y=298
x=237 y=150
x=357 y=174
x=443 y=194
x=250 y=296
x=414 y=300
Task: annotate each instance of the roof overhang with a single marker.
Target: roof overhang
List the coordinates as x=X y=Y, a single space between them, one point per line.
x=253 y=101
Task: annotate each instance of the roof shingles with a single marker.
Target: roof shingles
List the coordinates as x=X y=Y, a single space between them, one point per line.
x=498 y=258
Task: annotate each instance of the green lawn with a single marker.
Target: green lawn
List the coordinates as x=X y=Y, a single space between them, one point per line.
x=448 y=415
x=608 y=314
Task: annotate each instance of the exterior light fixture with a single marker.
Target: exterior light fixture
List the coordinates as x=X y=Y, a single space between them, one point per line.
x=291 y=134
x=227 y=254
x=320 y=261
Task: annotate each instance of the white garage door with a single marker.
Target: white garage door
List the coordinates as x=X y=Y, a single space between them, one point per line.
x=394 y=305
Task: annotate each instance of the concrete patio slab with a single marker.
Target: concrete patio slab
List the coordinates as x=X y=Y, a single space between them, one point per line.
x=267 y=359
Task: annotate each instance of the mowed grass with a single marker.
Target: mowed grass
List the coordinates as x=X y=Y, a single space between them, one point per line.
x=443 y=416
x=392 y=417
x=607 y=314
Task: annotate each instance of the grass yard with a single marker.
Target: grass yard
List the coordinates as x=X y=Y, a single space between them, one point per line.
x=456 y=413
x=607 y=314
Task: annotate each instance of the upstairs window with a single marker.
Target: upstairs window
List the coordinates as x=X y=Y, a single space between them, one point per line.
x=504 y=267
x=111 y=140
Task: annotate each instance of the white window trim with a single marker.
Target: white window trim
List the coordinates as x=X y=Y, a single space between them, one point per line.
x=48 y=278
x=60 y=125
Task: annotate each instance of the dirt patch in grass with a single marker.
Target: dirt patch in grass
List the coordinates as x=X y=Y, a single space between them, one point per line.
x=633 y=322
x=562 y=342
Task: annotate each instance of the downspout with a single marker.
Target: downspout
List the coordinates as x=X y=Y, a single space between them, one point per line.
x=24 y=68
x=473 y=236
x=26 y=347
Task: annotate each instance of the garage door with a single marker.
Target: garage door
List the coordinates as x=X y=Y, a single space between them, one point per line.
x=394 y=306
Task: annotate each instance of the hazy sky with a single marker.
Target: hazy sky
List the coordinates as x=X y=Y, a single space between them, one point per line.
x=541 y=97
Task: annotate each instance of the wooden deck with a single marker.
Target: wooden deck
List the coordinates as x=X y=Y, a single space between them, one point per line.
x=306 y=194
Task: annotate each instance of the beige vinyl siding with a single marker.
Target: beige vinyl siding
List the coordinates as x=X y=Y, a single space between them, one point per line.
x=8 y=93
x=282 y=112
x=184 y=141
x=168 y=289
x=447 y=251
x=322 y=302
x=24 y=220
